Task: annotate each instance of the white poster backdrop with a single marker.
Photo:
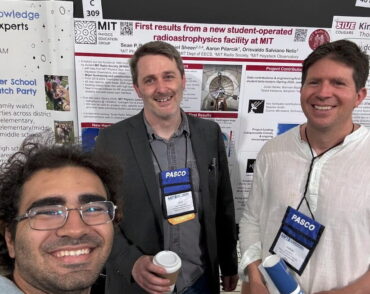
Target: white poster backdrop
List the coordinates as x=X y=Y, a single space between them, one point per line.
x=363 y=3
x=246 y=78
x=37 y=80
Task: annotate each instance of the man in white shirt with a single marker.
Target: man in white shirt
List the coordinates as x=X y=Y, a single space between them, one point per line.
x=323 y=164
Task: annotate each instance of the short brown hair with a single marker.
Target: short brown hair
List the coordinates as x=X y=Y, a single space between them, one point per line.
x=155 y=48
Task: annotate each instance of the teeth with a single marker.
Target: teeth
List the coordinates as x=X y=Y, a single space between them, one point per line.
x=73 y=252
x=164 y=99
x=323 y=107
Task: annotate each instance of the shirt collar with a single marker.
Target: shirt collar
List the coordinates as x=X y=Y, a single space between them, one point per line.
x=361 y=132
x=356 y=135
x=183 y=128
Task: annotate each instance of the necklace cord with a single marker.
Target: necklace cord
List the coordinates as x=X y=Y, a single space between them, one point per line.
x=310 y=169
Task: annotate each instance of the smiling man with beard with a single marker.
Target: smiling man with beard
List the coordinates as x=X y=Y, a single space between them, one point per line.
x=57 y=204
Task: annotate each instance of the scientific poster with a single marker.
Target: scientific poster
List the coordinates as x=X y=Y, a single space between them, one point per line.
x=246 y=78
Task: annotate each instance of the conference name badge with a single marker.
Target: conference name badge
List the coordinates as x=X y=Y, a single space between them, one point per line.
x=297 y=239
x=178 y=203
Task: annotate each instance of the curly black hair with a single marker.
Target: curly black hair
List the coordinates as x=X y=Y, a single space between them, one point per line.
x=37 y=153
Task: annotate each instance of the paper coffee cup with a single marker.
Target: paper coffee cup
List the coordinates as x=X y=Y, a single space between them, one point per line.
x=171 y=262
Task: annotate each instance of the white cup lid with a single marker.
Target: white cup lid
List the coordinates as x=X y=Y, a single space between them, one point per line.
x=168 y=260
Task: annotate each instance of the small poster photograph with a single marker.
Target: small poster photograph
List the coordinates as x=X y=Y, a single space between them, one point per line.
x=256 y=106
x=89 y=136
x=221 y=87
x=57 y=93
x=64 y=133
x=250 y=165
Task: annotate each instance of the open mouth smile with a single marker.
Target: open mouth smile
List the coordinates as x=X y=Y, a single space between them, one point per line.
x=163 y=99
x=321 y=107
x=79 y=252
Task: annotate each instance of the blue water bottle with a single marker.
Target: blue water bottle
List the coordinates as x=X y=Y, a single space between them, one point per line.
x=280 y=275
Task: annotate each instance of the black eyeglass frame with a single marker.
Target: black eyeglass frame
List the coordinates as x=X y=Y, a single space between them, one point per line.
x=111 y=211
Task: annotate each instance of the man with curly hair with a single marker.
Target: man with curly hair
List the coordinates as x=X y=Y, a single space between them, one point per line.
x=57 y=204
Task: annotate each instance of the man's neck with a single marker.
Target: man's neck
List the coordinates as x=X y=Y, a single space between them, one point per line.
x=322 y=140
x=165 y=128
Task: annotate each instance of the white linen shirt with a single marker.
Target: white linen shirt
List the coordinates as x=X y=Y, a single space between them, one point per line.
x=339 y=197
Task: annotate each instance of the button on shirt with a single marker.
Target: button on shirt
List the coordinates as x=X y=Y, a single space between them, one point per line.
x=184 y=238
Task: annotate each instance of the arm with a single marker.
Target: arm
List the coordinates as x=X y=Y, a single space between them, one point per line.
x=124 y=254
x=249 y=272
x=360 y=286
x=256 y=281
x=225 y=220
x=130 y=244
x=123 y=257
x=135 y=266
x=229 y=283
x=146 y=274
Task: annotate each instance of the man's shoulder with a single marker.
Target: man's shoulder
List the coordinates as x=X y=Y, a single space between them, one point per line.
x=282 y=141
x=197 y=121
x=8 y=287
x=124 y=124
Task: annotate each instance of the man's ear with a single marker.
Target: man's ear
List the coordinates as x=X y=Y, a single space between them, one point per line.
x=9 y=243
x=137 y=90
x=361 y=95
x=183 y=82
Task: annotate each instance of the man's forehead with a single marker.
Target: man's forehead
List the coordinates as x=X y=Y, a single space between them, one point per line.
x=153 y=60
x=334 y=61
x=332 y=66
x=64 y=186
x=156 y=56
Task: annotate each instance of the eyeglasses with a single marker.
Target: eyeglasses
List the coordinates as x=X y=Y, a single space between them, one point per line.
x=53 y=217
